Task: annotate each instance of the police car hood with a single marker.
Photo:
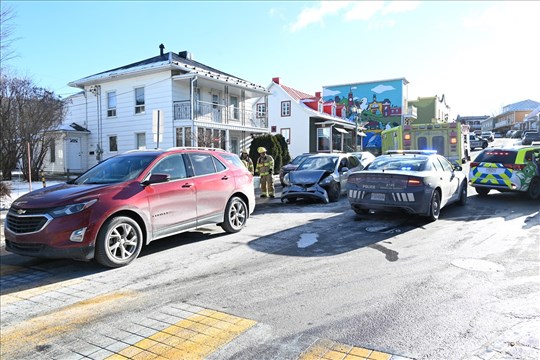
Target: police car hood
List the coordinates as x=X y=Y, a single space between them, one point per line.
x=300 y=177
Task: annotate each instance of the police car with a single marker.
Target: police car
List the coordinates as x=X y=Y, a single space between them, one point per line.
x=513 y=169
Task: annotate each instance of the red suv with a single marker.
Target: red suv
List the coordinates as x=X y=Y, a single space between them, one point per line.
x=112 y=210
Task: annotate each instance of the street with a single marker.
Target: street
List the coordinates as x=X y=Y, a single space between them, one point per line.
x=301 y=281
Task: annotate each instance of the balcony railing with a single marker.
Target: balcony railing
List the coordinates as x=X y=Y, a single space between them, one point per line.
x=216 y=113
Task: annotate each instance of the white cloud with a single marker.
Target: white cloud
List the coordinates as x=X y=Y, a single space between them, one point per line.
x=364 y=10
x=316 y=14
x=400 y=6
x=360 y=10
x=379 y=89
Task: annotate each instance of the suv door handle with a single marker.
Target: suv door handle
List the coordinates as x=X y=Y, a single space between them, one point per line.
x=225 y=177
x=187 y=185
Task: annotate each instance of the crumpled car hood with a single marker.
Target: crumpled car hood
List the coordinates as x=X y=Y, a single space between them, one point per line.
x=301 y=177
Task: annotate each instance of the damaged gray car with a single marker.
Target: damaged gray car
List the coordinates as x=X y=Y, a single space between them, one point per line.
x=323 y=177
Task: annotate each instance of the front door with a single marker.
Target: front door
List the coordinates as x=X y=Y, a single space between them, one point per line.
x=73 y=154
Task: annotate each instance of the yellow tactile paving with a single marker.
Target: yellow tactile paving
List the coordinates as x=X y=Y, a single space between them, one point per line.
x=192 y=338
x=29 y=293
x=10 y=269
x=324 y=349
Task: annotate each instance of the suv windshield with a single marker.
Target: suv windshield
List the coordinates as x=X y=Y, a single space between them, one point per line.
x=116 y=169
x=497 y=156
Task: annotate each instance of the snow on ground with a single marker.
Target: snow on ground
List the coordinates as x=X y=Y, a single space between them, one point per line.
x=20 y=187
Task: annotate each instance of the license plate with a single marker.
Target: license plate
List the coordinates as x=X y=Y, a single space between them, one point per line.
x=377 y=197
x=491 y=170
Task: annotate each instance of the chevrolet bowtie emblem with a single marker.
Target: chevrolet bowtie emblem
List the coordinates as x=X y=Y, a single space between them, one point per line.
x=21 y=211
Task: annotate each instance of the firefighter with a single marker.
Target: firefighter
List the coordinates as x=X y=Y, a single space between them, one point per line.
x=265 y=168
x=244 y=156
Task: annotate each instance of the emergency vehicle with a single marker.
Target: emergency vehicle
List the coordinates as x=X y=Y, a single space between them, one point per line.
x=449 y=139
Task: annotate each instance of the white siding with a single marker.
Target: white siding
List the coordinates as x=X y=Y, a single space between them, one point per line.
x=298 y=122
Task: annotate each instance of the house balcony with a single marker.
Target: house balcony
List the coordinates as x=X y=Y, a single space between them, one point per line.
x=412 y=113
x=219 y=114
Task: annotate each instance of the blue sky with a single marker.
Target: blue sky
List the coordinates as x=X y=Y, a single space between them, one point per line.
x=480 y=55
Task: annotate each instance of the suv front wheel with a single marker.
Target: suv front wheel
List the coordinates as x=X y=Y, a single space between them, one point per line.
x=119 y=242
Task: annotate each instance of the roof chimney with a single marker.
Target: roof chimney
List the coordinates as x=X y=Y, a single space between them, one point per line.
x=318 y=94
x=276 y=80
x=185 y=54
x=161 y=47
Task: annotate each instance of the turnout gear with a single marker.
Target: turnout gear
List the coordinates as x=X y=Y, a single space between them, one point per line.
x=265 y=168
x=246 y=160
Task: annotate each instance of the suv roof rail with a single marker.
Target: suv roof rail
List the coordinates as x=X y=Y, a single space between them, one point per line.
x=194 y=148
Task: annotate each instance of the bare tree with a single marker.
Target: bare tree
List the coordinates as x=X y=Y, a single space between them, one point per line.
x=28 y=114
x=6 y=35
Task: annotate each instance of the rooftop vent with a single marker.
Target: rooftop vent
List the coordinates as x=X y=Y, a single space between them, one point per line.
x=186 y=55
x=161 y=48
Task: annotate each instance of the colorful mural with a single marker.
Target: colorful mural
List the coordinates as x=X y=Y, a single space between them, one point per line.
x=378 y=106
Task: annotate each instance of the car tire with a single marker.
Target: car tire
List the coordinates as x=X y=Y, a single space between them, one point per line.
x=333 y=192
x=534 y=188
x=236 y=215
x=291 y=200
x=482 y=191
x=361 y=211
x=119 y=242
x=484 y=144
x=435 y=206
x=463 y=194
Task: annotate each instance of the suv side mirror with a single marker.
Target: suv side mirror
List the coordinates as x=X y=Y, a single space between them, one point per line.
x=157 y=178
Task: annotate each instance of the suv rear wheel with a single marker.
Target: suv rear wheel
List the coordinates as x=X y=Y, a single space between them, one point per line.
x=481 y=191
x=236 y=215
x=119 y=242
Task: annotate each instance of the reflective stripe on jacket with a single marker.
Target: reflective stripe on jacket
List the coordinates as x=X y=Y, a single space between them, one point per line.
x=265 y=165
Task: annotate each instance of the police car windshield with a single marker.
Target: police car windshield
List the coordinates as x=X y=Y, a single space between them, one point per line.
x=399 y=162
x=497 y=156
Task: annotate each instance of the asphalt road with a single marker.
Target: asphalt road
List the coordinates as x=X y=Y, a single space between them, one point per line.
x=301 y=281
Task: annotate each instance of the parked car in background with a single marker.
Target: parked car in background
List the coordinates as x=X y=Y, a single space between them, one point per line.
x=509 y=133
x=414 y=181
x=476 y=141
x=488 y=135
x=112 y=210
x=513 y=169
x=517 y=134
x=498 y=135
x=322 y=177
x=291 y=166
x=529 y=137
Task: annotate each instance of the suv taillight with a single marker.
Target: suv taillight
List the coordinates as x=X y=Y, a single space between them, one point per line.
x=473 y=164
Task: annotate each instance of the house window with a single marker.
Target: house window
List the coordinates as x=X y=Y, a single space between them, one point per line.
x=111 y=104
x=286 y=133
x=183 y=136
x=139 y=100
x=113 y=144
x=52 y=151
x=285 y=108
x=323 y=139
x=235 y=113
x=141 y=140
x=261 y=110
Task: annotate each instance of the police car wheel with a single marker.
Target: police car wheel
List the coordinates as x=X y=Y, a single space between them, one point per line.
x=435 y=206
x=481 y=191
x=463 y=194
x=534 y=188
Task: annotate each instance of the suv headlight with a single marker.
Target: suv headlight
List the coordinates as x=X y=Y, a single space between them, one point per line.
x=286 y=179
x=327 y=180
x=71 y=209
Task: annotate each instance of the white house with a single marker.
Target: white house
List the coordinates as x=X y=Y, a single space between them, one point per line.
x=160 y=102
x=308 y=124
